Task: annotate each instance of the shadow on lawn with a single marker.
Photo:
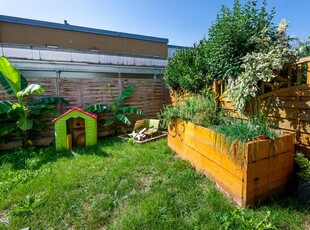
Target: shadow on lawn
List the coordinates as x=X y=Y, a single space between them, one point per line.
x=32 y=158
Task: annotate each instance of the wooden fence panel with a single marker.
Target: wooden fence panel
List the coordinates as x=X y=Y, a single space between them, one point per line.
x=287 y=105
x=149 y=96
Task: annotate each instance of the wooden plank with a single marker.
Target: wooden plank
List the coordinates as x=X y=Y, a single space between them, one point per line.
x=305 y=126
x=267 y=166
x=285 y=91
x=304 y=139
x=223 y=178
x=305 y=149
x=263 y=149
x=303 y=60
x=218 y=157
x=308 y=73
x=265 y=192
x=290 y=104
x=289 y=113
x=256 y=183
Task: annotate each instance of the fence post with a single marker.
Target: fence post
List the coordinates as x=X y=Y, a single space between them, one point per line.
x=308 y=73
x=216 y=87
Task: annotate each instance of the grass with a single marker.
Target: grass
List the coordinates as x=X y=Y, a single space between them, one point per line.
x=119 y=185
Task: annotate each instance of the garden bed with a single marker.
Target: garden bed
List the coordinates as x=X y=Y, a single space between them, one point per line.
x=264 y=168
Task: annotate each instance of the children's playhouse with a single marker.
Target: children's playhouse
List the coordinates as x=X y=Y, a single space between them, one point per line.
x=75 y=128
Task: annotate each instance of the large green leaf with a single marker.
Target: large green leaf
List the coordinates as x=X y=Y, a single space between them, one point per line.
x=39 y=124
x=43 y=109
x=123 y=118
x=5 y=106
x=10 y=78
x=30 y=89
x=125 y=94
x=24 y=124
x=129 y=109
x=97 y=108
x=7 y=129
x=48 y=100
x=109 y=122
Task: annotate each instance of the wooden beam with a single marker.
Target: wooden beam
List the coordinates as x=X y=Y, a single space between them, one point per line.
x=308 y=73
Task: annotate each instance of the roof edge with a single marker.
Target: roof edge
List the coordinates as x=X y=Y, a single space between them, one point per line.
x=32 y=22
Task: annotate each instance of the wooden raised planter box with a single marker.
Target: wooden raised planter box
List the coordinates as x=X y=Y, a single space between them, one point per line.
x=266 y=166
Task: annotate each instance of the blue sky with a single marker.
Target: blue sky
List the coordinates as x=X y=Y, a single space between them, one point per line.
x=181 y=21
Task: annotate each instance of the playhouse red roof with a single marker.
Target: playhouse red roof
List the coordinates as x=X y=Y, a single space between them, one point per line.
x=93 y=115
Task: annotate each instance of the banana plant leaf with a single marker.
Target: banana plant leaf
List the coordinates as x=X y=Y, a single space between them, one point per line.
x=43 y=109
x=109 y=122
x=98 y=108
x=7 y=129
x=48 y=100
x=123 y=118
x=30 y=89
x=10 y=78
x=125 y=94
x=129 y=109
x=24 y=123
x=37 y=123
x=5 y=106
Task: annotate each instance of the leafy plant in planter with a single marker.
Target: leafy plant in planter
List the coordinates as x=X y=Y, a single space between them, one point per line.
x=201 y=109
x=117 y=109
x=303 y=169
x=21 y=116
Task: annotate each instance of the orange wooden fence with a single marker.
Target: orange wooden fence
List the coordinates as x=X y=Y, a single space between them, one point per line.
x=285 y=100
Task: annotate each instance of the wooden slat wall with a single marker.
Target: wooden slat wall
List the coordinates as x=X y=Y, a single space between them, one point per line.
x=149 y=96
x=288 y=108
x=287 y=105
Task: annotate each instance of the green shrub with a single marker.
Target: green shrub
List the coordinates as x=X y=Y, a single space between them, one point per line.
x=187 y=69
x=303 y=166
x=229 y=38
x=260 y=65
x=222 y=53
x=201 y=109
x=302 y=47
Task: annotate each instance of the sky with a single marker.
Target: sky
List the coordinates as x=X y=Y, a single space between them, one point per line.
x=183 y=22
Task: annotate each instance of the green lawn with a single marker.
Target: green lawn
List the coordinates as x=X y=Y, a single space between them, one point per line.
x=120 y=185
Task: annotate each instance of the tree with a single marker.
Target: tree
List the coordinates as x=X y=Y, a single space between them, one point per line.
x=229 y=38
x=187 y=70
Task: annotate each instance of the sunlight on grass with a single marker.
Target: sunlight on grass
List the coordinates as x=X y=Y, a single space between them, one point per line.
x=118 y=185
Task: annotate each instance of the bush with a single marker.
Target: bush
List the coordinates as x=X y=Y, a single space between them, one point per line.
x=229 y=38
x=302 y=47
x=221 y=54
x=257 y=66
x=187 y=69
x=200 y=109
x=303 y=170
x=303 y=166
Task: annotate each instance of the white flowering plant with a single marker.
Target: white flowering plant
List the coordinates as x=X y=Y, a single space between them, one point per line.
x=273 y=51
